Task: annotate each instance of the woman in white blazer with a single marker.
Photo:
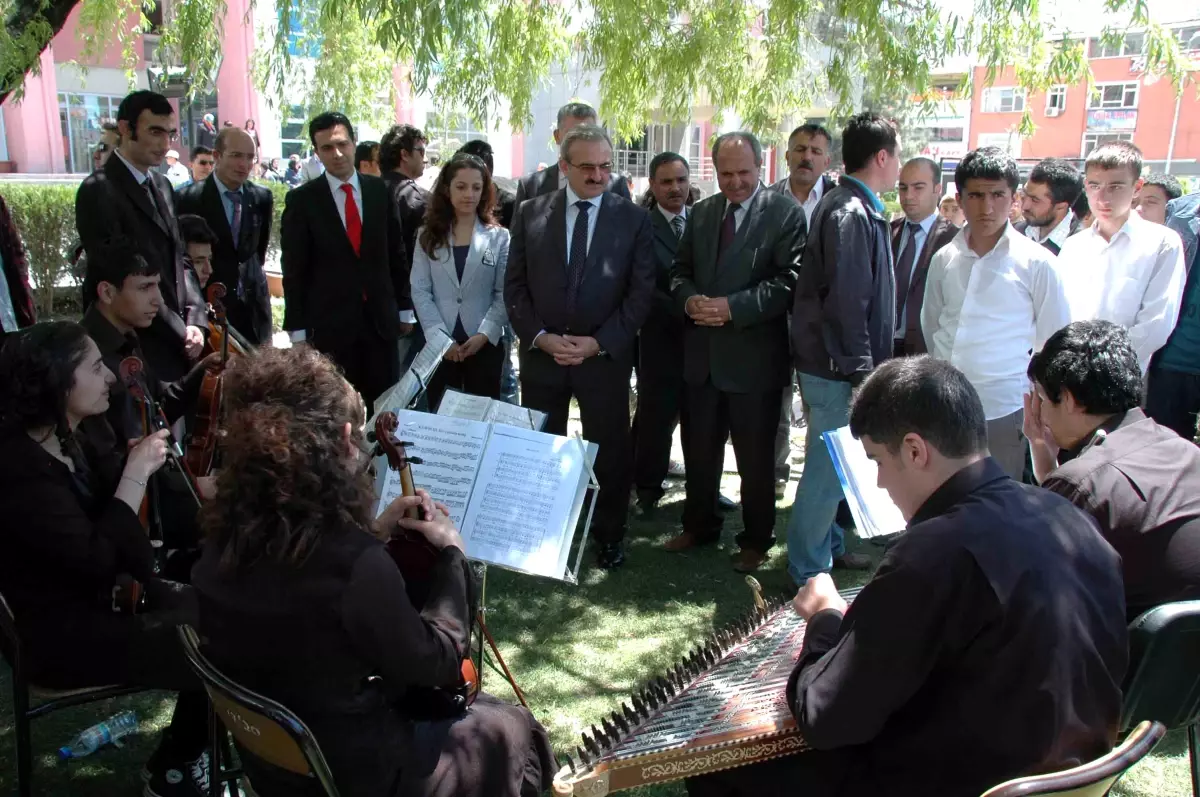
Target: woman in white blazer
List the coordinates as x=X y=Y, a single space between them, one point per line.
x=458 y=278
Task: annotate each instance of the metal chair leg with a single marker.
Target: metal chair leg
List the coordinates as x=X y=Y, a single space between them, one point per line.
x=1194 y=758
x=216 y=785
x=24 y=742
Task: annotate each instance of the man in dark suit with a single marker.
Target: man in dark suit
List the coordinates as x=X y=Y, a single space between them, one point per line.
x=240 y=214
x=915 y=239
x=660 y=341
x=547 y=181
x=733 y=277
x=344 y=275
x=127 y=197
x=402 y=162
x=579 y=285
x=1050 y=191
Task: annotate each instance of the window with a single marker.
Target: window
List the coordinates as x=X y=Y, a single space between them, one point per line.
x=446 y=131
x=1131 y=44
x=1093 y=140
x=942 y=135
x=1114 y=95
x=290 y=128
x=1003 y=100
x=1189 y=38
x=1056 y=100
x=1009 y=142
x=80 y=116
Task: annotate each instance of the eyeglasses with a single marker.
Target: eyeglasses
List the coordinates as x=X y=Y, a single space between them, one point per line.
x=592 y=167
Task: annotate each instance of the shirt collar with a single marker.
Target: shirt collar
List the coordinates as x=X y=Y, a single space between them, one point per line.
x=1118 y=421
x=140 y=176
x=669 y=216
x=876 y=202
x=744 y=205
x=1002 y=244
x=966 y=481
x=1128 y=229
x=109 y=340
x=818 y=190
x=335 y=185
x=572 y=198
x=1060 y=233
x=926 y=224
x=224 y=188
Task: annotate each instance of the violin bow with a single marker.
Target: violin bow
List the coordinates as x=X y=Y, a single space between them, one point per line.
x=132 y=375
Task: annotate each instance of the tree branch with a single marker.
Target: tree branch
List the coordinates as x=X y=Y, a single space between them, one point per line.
x=30 y=26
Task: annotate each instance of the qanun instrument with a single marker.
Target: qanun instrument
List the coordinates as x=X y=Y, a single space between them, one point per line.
x=722 y=706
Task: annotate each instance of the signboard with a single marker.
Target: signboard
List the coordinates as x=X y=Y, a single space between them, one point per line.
x=1112 y=119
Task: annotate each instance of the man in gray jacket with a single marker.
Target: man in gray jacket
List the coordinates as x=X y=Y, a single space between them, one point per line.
x=843 y=322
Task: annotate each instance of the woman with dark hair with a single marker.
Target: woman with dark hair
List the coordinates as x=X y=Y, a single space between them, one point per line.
x=72 y=534
x=300 y=601
x=252 y=131
x=458 y=278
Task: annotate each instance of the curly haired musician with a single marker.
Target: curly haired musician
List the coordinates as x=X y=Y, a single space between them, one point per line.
x=71 y=529
x=300 y=601
x=990 y=644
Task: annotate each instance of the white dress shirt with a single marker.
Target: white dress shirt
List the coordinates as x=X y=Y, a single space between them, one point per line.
x=573 y=214
x=739 y=215
x=669 y=216
x=921 y=236
x=814 y=196
x=1058 y=236
x=986 y=315
x=339 y=199
x=138 y=175
x=1135 y=280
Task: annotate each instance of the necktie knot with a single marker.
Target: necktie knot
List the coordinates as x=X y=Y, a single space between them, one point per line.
x=677 y=226
x=913 y=227
x=734 y=207
x=234 y=196
x=583 y=205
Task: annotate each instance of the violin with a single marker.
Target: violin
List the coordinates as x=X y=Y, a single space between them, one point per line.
x=153 y=420
x=416 y=556
x=202 y=448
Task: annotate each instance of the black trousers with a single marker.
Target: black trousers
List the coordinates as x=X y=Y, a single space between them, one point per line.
x=1173 y=400
x=601 y=386
x=659 y=400
x=371 y=364
x=478 y=375
x=750 y=421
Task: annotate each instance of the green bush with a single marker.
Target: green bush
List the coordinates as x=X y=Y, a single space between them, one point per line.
x=279 y=191
x=45 y=216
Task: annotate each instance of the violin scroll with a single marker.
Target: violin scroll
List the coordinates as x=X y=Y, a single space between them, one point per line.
x=397 y=455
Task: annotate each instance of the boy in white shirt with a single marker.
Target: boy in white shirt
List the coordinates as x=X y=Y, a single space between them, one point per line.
x=992 y=296
x=1123 y=269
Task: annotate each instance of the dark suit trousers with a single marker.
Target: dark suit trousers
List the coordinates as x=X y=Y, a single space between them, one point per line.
x=601 y=386
x=478 y=375
x=660 y=393
x=371 y=364
x=750 y=421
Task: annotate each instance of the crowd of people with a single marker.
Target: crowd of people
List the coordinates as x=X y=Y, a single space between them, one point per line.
x=1028 y=391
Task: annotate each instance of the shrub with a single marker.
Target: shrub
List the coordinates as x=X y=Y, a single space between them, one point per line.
x=45 y=216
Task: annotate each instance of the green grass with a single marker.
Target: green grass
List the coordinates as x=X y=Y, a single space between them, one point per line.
x=577 y=651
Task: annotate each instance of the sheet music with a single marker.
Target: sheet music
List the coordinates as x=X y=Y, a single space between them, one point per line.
x=481 y=408
x=450 y=450
x=400 y=395
x=528 y=494
x=437 y=343
x=874 y=512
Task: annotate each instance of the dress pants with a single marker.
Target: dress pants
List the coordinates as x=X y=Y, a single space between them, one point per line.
x=478 y=375
x=601 y=386
x=750 y=421
x=371 y=364
x=814 y=539
x=1173 y=399
x=1007 y=444
x=660 y=392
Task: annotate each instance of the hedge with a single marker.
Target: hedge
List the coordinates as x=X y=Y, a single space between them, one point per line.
x=45 y=216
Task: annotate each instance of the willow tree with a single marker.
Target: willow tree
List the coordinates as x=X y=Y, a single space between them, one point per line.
x=765 y=59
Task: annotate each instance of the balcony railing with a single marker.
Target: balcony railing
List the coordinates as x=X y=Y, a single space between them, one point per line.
x=636 y=163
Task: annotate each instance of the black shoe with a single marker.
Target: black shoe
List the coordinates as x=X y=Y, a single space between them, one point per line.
x=610 y=555
x=726 y=504
x=647 y=503
x=177 y=778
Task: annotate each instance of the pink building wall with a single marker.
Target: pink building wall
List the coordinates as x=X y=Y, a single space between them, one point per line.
x=32 y=127
x=237 y=100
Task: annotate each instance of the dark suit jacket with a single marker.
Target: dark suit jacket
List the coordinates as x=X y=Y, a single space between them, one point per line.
x=941 y=233
x=546 y=182
x=664 y=313
x=618 y=280
x=749 y=354
x=411 y=200
x=110 y=203
x=238 y=265
x=331 y=292
x=1054 y=248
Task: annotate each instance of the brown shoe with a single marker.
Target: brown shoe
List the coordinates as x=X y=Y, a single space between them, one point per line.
x=853 y=561
x=684 y=542
x=747 y=561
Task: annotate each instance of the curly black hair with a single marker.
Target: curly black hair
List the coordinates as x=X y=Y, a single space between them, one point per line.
x=37 y=372
x=1096 y=361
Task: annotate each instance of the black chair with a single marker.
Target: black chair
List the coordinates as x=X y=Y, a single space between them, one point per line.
x=31 y=701
x=1163 y=682
x=261 y=727
x=1094 y=779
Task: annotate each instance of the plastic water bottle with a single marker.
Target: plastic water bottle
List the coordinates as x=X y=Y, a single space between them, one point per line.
x=111 y=730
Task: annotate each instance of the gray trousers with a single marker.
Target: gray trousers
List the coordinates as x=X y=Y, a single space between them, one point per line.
x=1006 y=443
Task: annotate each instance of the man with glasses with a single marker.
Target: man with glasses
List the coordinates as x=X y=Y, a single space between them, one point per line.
x=547 y=181
x=201 y=166
x=1123 y=268
x=579 y=286
x=110 y=136
x=127 y=197
x=239 y=213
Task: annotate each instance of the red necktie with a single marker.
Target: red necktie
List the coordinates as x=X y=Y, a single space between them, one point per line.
x=353 y=220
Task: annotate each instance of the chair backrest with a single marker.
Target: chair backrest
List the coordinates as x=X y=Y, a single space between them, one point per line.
x=260 y=726
x=1089 y=780
x=10 y=643
x=1163 y=680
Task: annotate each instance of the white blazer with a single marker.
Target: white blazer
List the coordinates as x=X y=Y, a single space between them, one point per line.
x=438 y=296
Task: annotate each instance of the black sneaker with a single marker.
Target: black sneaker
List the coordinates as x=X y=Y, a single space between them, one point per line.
x=178 y=778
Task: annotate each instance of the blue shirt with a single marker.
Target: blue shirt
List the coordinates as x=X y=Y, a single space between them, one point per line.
x=876 y=202
x=8 y=315
x=225 y=203
x=919 y=238
x=573 y=213
x=1182 y=351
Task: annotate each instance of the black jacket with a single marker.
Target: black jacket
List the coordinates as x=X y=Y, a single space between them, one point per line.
x=990 y=644
x=843 y=318
x=757 y=273
x=111 y=203
x=238 y=265
x=411 y=200
x=311 y=635
x=331 y=292
x=941 y=233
